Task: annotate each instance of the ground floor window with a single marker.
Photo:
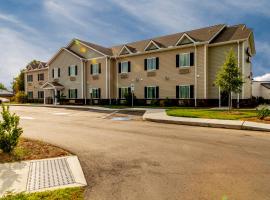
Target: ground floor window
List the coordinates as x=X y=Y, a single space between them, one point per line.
x=184 y=91
x=40 y=94
x=72 y=93
x=30 y=95
x=122 y=92
x=151 y=92
x=95 y=93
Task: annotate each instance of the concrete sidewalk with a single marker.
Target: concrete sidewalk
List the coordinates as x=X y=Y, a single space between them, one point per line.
x=159 y=115
x=41 y=175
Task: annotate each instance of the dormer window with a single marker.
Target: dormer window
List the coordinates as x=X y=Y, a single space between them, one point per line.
x=152 y=45
x=184 y=40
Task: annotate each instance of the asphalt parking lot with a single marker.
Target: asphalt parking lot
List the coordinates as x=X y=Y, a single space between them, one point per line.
x=124 y=157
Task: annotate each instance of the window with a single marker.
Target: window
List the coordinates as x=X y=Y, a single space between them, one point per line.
x=151 y=64
x=30 y=95
x=185 y=60
x=56 y=72
x=95 y=93
x=184 y=91
x=73 y=70
x=72 y=93
x=95 y=69
x=40 y=94
x=123 y=91
x=124 y=67
x=151 y=92
x=29 y=78
x=40 y=77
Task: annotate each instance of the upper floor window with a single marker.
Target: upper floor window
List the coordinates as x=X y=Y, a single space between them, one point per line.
x=185 y=60
x=30 y=78
x=72 y=93
x=184 y=91
x=96 y=69
x=73 y=70
x=95 y=93
x=151 y=64
x=151 y=92
x=41 y=77
x=56 y=72
x=124 y=67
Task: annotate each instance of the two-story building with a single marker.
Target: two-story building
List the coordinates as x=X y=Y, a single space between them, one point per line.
x=181 y=67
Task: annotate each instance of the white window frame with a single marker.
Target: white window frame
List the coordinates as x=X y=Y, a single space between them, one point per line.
x=73 y=89
x=123 y=94
x=30 y=75
x=147 y=96
x=122 y=71
x=95 y=69
x=72 y=69
x=92 y=92
x=184 y=66
x=188 y=91
x=152 y=58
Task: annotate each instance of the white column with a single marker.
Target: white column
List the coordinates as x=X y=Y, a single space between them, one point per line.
x=55 y=95
x=106 y=77
x=205 y=71
x=195 y=85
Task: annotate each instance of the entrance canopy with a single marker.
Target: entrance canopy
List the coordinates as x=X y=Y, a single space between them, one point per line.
x=52 y=86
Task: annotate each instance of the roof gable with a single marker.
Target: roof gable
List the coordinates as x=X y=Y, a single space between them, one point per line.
x=152 y=45
x=67 y=50
x=184 y=39
x=127 y=50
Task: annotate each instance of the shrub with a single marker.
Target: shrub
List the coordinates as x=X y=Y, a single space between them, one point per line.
x=128 y=98
x=21 y=97
x=9 y=130
x=263 y=112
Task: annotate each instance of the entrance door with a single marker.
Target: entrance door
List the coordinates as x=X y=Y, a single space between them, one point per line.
x=224 y=98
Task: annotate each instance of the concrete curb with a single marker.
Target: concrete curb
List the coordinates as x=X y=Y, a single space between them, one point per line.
x=162 y=117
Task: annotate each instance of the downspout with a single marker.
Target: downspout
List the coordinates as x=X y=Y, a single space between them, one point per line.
x=110 y=80
x=85 y=82
x=243 y=69
x=106 y=77
x=238 y=55
x=82 y=75
x=195 y=85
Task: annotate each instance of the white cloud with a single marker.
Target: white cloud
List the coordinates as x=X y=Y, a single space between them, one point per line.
x=265 y=77
x=16 y=51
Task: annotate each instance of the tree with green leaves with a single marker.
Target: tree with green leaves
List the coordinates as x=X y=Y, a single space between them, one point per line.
x=18 y=83
x=229 y=77
x=2 y=86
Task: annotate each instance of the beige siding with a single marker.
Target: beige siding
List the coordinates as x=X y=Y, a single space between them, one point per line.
x=216 y=58
x=84 y=51
x=167 y=77
x=63 y=61
x=35 y=86
x=96 y=81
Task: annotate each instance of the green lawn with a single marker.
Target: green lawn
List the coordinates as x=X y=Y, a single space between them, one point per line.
x=212 y=114
x=61 y=194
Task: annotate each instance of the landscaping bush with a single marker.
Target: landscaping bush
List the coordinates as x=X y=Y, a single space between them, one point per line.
x=263 y=112
x=128 y=99
x=20 y=97
x=9 y=130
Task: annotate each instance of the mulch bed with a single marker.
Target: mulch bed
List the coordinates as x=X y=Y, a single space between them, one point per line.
x=28 y=149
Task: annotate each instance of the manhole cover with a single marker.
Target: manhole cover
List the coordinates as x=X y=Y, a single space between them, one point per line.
x=120 y=118
x=49 y=173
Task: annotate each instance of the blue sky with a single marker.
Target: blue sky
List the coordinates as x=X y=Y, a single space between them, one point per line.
x=36 y=29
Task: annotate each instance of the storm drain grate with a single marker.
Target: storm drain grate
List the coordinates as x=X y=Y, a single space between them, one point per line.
x=49 y=173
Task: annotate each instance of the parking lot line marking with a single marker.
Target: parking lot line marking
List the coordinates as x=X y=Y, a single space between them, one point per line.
x=108 y=115
x=25 y=117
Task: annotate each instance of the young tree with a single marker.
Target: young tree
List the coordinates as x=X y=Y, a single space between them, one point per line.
x=2 y=86
x=229 y=78
x=18 y=83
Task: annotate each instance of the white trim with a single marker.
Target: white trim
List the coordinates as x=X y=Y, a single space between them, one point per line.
x=216 y=34
x=195 y=85
x=82 y=75
x=117 y=84
x=73 y=40
x=54 y=87
x=243 y=69
x=238 y=55
x=109 y=80
x=181 y=38
x=151 y=42
x=125 y=47
x=106 y=77
x=34 y=70
x=97 y=58
x=121 y=66
x=188 y=66
x=205 y=71
x=59 y=51
x=226 y=42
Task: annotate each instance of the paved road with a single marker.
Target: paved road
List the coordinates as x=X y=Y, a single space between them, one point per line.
x=144 y=161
